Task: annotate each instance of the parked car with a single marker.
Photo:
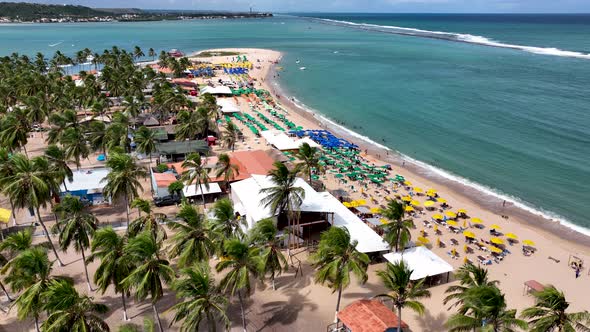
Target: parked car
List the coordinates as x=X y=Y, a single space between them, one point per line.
x=167 y=200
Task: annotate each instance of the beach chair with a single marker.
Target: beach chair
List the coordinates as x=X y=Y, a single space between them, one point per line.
x=454 y=242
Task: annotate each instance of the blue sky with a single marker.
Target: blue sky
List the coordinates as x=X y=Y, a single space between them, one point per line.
x=385 y=6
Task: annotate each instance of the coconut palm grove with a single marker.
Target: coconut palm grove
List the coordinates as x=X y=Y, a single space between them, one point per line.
x=193 y=264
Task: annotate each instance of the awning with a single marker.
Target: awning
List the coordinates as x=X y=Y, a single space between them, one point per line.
x=194 y=190
x=182 y=147
x=5 y=215
x=422 y=261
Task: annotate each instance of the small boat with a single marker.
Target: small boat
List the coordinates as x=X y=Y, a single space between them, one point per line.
x=175 y=53
x=302 y=68
x=297 y=61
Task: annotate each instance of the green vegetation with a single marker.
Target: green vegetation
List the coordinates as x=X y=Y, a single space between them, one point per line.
x=35 y=11
x=207 y=54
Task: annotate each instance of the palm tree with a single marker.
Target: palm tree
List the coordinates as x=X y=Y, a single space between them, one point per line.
x=284 y=196
x=152 y=53
x=7 y=170
x=226 y=224
x=225 y=168
x=397 y=231
x=149 y=221
x=202 y=300
x=189 y=125
x=137 y=52
x=484 y=308
x=14 y=130
x=336 y=258
x=146 y=141
x=230 y=136
x=549 y=313
x=114 y=266
x=195 y=173
x=30 y=187
x=309 y=157
x=123 y=180
x=242 y=262
x=175 y=188
x=264 y=235
x=71 y=311
x=18 y=242
x=59 y=164
x=75 y=145
x=193 y=240
x=30 y=272
x=151 y=273
x=469 y=276
x=77 y=226
x=403 y=292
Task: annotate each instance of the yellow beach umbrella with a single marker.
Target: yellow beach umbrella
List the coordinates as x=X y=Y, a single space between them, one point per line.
x=465 y=249
x=465 y=260
x=5 y=215
x=428 y=203
x=435 y=228
x=528 y=243
x=407 y=199
x=438 y=216
x=495 y=249
x=464 y=223
x=452 y=223
x=511 y=236
x=469 y=234
x=431 y=193
x=409 y=209
x=415 y=203
x=384 y=221
x=430 y=190
x=347 y=204
x=441 y=200
x=418 y=189
x=408 y=183
x=497 y=240
x=495 y=226
x=462 y=211
x=375 y=210
x=362 y=202
x=451 y=214
x=476 y=221
x=423 y=240
x=454 y=252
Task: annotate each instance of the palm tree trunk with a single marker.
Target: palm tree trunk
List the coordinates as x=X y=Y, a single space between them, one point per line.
x=25 y=151
x=86 y=269
x=399 y=318
x=338 y=304
x=157 y=317
x=127 y=210
x=202 y=195
x=124 y=307
x=12 y=215
x=6 y=292
x=37 y=324
x=48 y=237
x=272 y=278
x=242 y=308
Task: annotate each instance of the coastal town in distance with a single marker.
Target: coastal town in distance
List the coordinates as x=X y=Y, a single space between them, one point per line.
x=149 y=188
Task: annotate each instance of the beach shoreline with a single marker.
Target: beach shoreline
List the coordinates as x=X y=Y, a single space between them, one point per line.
x=415 y=169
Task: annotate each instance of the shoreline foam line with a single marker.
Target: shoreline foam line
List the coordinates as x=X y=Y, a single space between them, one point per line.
x=456 y=37
x=430 y=170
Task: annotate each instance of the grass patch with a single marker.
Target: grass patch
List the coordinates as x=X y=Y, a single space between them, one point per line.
x=207 y=54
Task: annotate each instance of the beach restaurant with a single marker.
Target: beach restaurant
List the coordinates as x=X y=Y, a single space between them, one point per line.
x=319 y=211
x=423 y=263
x=87 y=184
x=367 y=316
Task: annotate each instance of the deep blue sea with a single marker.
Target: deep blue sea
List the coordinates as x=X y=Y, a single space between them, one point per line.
x=501 y=101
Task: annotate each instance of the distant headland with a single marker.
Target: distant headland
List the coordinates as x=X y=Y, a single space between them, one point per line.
x=20 y=12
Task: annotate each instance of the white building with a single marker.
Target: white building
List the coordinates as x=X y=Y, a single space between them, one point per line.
x=246 y=196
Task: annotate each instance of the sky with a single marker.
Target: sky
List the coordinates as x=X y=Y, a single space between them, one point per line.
x=365 y=6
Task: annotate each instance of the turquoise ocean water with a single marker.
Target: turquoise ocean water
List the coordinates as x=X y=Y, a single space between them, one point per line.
x=501 y=101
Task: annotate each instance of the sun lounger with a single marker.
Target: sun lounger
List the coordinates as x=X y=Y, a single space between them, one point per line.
x=484 y=261
x=454 y=242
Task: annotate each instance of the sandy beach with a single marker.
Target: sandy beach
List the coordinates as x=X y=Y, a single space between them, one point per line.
x=299 y=304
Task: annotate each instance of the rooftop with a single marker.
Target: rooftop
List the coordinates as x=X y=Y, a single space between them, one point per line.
x=86 y=179
x=421 y=261
x=369 y=316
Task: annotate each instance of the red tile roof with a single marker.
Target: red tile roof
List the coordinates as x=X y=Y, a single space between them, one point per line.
x=163 y=180
x=248 y=162
x=369 y=316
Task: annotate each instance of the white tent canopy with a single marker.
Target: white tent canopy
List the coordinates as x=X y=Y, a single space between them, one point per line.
x=227 y=106
x=194 y=190
x=281 y=141
x=422 y=261
x=217 y=90
x=246 y=197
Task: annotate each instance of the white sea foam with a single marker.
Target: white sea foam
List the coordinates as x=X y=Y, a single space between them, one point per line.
x=459 y=37
x=432 y=170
